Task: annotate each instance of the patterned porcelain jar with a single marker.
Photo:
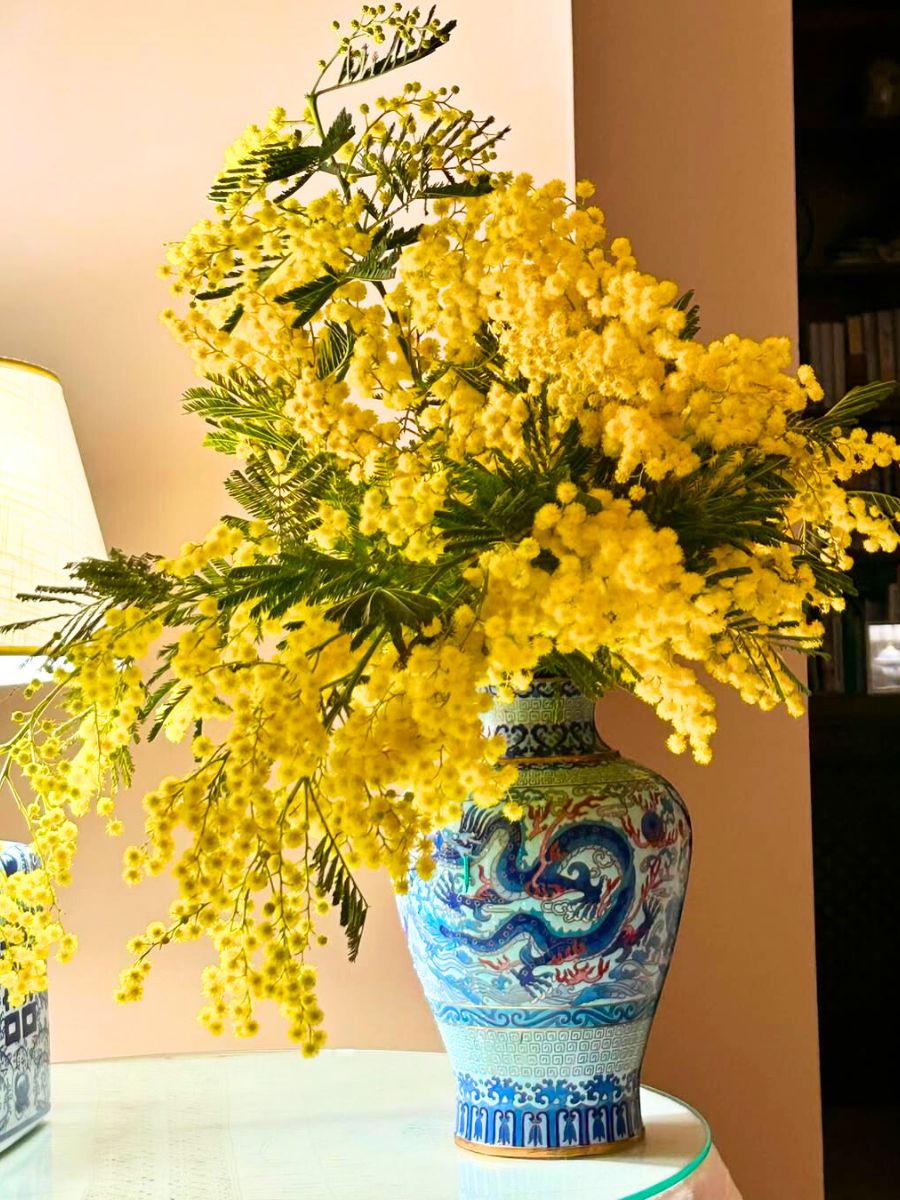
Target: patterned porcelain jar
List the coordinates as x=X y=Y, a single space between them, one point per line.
x=543 y=943
x=24 y=1040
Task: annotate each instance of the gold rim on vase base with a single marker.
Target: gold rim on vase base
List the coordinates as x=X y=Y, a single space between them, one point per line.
x=546 y=1151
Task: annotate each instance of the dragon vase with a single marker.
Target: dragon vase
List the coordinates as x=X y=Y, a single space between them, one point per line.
x=543 y=943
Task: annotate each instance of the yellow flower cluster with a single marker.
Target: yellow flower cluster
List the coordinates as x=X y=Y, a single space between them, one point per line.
x=405 y=509
x=71 y=764
x=597 y=342
x=481 y=441
x=280 y=776
x=30 y=933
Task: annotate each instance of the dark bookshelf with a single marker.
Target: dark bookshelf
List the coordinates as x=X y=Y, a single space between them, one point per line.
x=848 y=257
x=855 y=768
x=845 y=18
x=847 y=113
x=838 y=275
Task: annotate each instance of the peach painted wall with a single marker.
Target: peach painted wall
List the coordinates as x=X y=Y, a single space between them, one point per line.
x=121 y=115
x=683 y=117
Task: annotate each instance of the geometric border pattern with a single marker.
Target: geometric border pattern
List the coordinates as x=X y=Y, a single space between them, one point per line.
x=588 y=1017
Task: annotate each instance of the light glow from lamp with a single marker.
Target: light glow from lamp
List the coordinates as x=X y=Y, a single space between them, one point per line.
x=47 y=517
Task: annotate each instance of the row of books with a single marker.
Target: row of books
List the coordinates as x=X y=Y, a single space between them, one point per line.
x=849 y=650
x=858 y=350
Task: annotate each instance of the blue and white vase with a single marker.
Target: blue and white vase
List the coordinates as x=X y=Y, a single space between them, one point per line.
x=543 y=943
x=24 y=1039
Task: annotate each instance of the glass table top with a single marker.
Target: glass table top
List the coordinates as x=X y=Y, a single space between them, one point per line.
x=349 y=1125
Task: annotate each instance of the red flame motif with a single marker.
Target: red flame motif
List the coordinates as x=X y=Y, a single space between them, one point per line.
x=582 y=973
x=497 y=964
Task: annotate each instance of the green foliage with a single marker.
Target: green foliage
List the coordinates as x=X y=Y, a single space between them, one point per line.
x=360 y=62
x=458 y=188
x=492 y=506
x=310 y=297
x=692 y=311
x=732 y=498
x=286 y=500
x=287 y=159
x=592 y=676
x=334 y=350
x=377 y=265
x=334 y=877
x=882 y=503
x=850 y=409
x=240 y=408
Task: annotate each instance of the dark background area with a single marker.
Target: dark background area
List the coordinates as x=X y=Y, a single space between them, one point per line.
x=847 y=106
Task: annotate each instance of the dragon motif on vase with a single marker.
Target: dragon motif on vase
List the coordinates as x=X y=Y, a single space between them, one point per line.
x=554 y=904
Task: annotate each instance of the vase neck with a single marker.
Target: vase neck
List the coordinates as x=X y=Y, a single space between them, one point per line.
x=552 y=719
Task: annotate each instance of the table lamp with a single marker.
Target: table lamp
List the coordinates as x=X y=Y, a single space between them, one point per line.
x=47 y=517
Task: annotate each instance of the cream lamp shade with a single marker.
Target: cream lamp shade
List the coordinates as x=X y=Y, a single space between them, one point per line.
x=47 y=517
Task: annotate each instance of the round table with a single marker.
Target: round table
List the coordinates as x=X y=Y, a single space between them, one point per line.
x=350 y=1125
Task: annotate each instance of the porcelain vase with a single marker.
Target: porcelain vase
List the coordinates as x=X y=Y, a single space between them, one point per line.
x=543 y=943
x=24 y=1040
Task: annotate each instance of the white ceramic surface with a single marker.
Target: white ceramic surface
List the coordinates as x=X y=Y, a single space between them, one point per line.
x=350 y=1125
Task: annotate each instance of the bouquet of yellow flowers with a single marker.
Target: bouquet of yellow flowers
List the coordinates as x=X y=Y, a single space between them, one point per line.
x=473 y=443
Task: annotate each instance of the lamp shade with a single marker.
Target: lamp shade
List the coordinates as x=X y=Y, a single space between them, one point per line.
x=47 y=517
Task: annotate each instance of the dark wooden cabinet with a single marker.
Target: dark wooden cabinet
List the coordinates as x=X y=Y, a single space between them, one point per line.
x=855 y=758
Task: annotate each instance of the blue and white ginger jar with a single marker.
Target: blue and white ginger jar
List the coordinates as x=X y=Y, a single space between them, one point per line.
x=24 y=1039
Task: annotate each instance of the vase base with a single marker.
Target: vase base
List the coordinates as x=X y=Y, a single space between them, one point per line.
x=546 y=1151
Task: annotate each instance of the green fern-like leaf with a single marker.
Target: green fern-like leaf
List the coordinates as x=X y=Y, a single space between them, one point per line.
x=380 y=605
x=334 y=877
x=286 y=500
x=692 y=312
x=334 y=350
x=848 y=410
x=592 y=676
x=362 y=63
x=479 y=186
x=308 y=298
x=888 y=506
x=731 y=499
x=288 y=159
x=340 y=131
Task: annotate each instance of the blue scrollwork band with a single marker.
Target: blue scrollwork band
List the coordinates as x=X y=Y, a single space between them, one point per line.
x=546 y=1018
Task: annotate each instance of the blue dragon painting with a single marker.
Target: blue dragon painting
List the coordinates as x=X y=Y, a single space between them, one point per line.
x=570 y=864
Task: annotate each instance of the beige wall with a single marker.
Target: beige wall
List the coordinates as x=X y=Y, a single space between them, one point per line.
x=122 y=113
x=683 y=117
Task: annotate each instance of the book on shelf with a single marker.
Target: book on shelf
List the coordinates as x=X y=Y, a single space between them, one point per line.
x=886 y=352
x=870 y=344
x=821 y=355
x=893 y=603
x=856 y=354
x=838 y=359
x=832 y=662
x=863 y=348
